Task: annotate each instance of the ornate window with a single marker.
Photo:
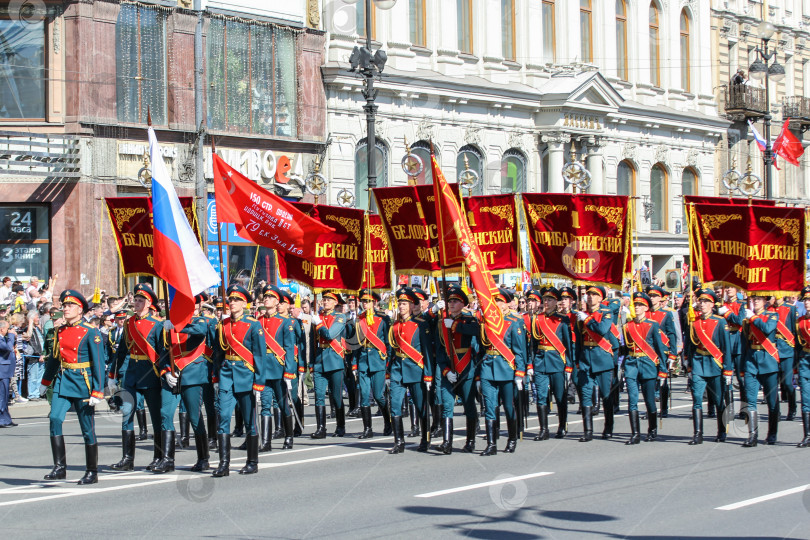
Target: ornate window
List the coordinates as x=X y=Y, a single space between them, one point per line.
x=476 y=162
x=658 y=197
x=621 y=40
x=586 y=30
x=422 y=149
x=685 y=52
x=418 y=23
x=22 y=66
x=688 y=186
x=508 y=25
x=361 y=20
x=464 y=25
x=513 y=172
x=361 y=170
x=549 y=36
x=655 y=41
x=626 y=179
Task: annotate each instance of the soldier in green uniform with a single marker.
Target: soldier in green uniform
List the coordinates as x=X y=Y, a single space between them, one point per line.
x=76 y=369
x=761 y=361
x=327 y=365
x=292 y=369
x=457 y=351
x=732 y=311
x=207 y=311
x=239 y=363
x=550 y=359
x=665 y=318
x=803 y=364
x=370 y=358
x=140 y=353
x=786 y=345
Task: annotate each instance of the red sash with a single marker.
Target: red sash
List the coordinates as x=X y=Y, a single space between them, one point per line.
x=182 y=356
x=733 y=307
x=69 y=339
x=370 y=333
x=459 y=364
x=766 y=343
x=550 y=333
x=659 y=316
x=804 y=330
x=781 y=327
x=403 y=333
x=235 y=333
x=572 y=317
x=138 y=330
x=336 y=345
x=634 y=332
x=599 y=339
x=704 y=328
x=271 y=325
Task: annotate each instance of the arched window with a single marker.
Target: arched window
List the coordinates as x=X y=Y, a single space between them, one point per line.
x=658 y=197
x=549 y=36
x=621 y=40
x=685 y=60
x=626 y=179
x=544 y=179
x=361 y=20
x=688 y=186
x=508 y=25
x=418 y=23
x=476 y=162
x=513 y=172
x=422 y=149
x=464 y=25
x=655 y=53
x=361 y=171
x=586 y=30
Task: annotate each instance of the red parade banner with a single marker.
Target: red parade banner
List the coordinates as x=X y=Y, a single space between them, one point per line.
x=131 y=219
x=409 y=217
x=337 y=261
x=493 y=222
x=584 y=238
x=699 y=199
x=754 y=248
x=378 y=256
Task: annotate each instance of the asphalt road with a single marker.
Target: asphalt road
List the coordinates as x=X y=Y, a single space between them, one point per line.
x=350 y=488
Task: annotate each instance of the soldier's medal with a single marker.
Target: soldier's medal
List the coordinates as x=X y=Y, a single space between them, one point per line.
x=97 y=339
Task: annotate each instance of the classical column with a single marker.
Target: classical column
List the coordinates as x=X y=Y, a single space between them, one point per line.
x=556 y=160
x=593 y=162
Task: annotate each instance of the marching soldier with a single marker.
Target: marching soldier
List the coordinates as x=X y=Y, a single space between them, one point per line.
x=291 y=369
x=209 y=396
x=458 y=348
x=665 y=318
x=409 y=368
x=803 y=365
x=186 y=366
x=596 y=359
x=786 y=345
x=761 y=361
x=239 y=363
x=427 y=317
x=76 y=368
x=645 y=361
x=370 y=360
x=550 y=361
x=327 y=365
x=141 y=353
x=732 y=311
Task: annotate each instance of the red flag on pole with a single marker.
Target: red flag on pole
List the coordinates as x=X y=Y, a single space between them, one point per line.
x=788 y=145
x=457 y=245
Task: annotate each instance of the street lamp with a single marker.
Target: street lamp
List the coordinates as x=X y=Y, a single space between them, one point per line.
x=759 y=70
x=363 y=62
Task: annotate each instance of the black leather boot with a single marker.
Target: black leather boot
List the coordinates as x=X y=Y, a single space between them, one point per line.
x=424 y=425
x=299 y=408
x=157 y=453
x=542 y=416
x=562 y=413
x=721 y=426
x=436 y=421
x=806 y=422
x=91 y=468
x=399 y=436
x=386 y=414
x=414 y=420
x=753 y=430
x=184 y=422
x=664 y=403
x=635 y=430
x=127 y=462
x=791 y=399
x=166 y=463
x=491 y=449
x=447 y=436
x=697 y=425
x=472 y=427
x=266 y=429
x=59 y=471
x=288 y=430
x=252 y=465
x=652 y=426
x=607 y=432
x=143 y=431
x=239 y=423
x=201 y=445
x=711 y=413
x=224 y=444
x=365 y=414
x=340 y=416
x=587 y=424
x=320 y=421
x=512 y=434
x=279 y=432
x=773 y=426
x=213 y=424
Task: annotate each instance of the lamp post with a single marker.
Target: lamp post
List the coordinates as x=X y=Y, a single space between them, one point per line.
x=368 y=65
x=775 y=71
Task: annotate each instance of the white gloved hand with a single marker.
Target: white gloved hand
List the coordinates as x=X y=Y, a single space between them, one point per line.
x=167 y=325
x=722 y=310
x=111 y=383
x=289 y=384
x=216 y=388
x=316 y=318
x=171 y=380
x=567 y=379
x=387 y=382
x=94 y=401
x=427 y=386
x=257 y=395
x=448 y=323
x=662 y=379
x=728 y=380
x=439 y=305
x=42 y=390
x=452 y=376
x=519 y=383
x=354 y=373
x=581 y=315
x=530 y=372
x=478 y=386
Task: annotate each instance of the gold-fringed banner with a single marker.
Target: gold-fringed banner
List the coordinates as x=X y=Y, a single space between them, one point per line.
x=493 y=222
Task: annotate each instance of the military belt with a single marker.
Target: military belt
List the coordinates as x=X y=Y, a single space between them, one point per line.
x=702 y=352
x=637 y=355
x=587 y=343
x=80 y=365
x=494 y=352
x=806 y=349
x=138 y=357
x=546 y=348
x=756 y=347
x=235 y=358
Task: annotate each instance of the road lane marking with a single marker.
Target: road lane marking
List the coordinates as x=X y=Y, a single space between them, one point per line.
x=763 y=498
x=481 y=485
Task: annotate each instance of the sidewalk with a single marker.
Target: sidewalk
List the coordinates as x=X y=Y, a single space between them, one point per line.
x=39 y=409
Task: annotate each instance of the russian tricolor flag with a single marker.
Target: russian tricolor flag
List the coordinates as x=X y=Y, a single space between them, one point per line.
x=179 y=259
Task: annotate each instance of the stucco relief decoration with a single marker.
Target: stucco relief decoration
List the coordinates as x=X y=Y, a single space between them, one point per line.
x=426 y=130
x=692 y=158
x=472 y=135
x=661 y=153
x=629 y=151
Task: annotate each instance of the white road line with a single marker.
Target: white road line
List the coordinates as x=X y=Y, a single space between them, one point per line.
x=86 y=491
x=483 y=484
x=313 y=460
x=763 y=498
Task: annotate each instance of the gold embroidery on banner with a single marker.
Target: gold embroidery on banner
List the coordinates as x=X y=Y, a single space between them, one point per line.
x=377 y=230
x=711 y=222
x=788 y=225
x=392 y=206
x=612 y=214
x=122 y=215
x=503 y=211
x=541 y=211
x=189 y=213
x=351 y=225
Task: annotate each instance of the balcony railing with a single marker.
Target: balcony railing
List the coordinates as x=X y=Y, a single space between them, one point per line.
x=796 y=107
x=745 y=101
